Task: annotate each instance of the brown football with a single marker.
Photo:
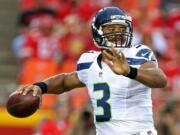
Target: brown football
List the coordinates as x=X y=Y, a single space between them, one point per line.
x=22 y=106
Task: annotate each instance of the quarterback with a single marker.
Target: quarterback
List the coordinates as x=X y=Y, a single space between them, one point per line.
x=119 y=78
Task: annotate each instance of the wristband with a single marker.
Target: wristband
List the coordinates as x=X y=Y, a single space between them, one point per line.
x=43 y=86
x=133 y=73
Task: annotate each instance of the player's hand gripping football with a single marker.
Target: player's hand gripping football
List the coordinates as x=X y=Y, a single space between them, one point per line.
x=24 y=89
x=116 y=61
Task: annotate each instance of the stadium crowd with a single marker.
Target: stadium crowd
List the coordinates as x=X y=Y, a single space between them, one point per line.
x=51 y=35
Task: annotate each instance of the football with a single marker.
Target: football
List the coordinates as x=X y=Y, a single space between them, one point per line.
x=22 y=106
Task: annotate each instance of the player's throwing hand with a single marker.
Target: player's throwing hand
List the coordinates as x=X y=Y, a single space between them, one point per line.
x=24 y=89
x=116 y=61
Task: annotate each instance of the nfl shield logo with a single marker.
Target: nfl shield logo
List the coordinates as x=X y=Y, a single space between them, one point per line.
x=149 y=133
x=100 y=74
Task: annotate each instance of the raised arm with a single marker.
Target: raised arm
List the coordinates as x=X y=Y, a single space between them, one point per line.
x=150 y=75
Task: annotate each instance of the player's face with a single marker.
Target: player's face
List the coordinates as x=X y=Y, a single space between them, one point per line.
x=114 y=33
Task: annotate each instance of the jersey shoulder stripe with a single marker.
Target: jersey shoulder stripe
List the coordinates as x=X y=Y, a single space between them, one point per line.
x=82 y=66
x=88 y=57
x=136 y=61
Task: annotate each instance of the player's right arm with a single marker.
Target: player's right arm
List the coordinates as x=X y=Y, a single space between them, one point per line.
x=55 y=85
x=63 y=82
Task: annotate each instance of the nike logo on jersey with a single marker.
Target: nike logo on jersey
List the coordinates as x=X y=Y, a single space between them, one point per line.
x=144 y=53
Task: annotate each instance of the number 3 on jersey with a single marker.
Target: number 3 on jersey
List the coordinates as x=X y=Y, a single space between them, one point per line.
x=102 y=102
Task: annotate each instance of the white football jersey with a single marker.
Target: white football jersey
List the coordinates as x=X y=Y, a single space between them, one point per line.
x=122 y=106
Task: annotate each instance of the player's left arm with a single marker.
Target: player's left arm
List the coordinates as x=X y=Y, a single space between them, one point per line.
x=150 y=75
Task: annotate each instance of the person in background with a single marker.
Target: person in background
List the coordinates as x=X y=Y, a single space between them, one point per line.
x=61 y=123
x=170 y=118
x=84 y=125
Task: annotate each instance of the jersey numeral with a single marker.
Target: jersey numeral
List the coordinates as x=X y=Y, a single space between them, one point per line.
x=102 y=102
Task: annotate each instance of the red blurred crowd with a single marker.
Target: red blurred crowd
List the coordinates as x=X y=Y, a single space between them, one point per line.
x=52 y=34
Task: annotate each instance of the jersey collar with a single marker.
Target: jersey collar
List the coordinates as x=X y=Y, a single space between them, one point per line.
x=99 y=60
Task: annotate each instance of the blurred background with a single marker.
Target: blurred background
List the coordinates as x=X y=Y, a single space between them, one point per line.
x=40 y=38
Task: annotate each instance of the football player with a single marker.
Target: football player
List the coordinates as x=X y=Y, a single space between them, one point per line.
x=119 y=78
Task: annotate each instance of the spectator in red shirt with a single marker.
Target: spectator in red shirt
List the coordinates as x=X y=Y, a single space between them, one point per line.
x=37 y=10
x=40 y=52
x=61 y=124
x=172 y=69
x=42 y=44
x=87 y=8
x=29 y=4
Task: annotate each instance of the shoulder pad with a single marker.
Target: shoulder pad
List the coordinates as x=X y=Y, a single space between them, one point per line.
x=88 y=56
x=145 y=52
x=86 y=59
